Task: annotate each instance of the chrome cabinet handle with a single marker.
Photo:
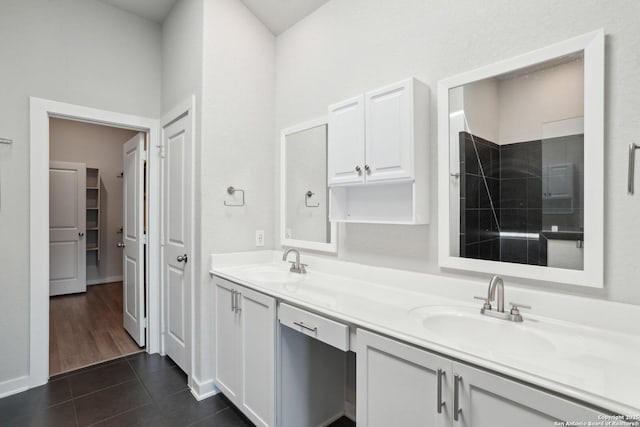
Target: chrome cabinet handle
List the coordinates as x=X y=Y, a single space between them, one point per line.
x=182 y=258
x=358 y=169
x=308 y=328
x=120 y=245
x=367 y=168
x=632 y=165
x=238 y=308
x=233 y=300
x=81 y=234
x=440 y=403
x=456 y=397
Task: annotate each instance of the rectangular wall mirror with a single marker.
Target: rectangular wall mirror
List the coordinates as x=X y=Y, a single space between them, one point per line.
x=304 y=196
x=521 y=166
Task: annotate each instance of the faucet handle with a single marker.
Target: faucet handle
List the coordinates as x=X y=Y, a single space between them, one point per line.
x=516 y=306
x=487 y=303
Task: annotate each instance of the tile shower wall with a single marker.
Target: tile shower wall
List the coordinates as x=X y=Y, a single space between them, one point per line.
x=517 y=177
x=521 y=202
x=479 y=233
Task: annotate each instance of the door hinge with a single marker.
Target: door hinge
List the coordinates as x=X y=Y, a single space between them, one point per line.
x=143 y=155
x=144 y=239
x=145 y=322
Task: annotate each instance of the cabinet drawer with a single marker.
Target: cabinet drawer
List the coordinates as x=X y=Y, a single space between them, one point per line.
x=325 y=330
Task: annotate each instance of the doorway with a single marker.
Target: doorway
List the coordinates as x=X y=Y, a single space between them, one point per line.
x=41 y=110
x=97 y=205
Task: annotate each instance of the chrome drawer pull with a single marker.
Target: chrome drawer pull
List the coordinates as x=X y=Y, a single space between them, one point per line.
x=308 y=328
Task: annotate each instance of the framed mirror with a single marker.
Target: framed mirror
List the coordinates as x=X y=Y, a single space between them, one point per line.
x=304 y=195
x=520 y=158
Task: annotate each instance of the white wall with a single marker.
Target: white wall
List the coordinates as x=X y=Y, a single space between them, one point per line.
x=98 y=147
x=482 y=109
x=237 y=145
x=348 y=47
x=77 y=51
x=529 y=101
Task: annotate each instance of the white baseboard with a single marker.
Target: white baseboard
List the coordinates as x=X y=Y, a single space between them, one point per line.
x=103 y=280
x=14 y=385
x=202 y=390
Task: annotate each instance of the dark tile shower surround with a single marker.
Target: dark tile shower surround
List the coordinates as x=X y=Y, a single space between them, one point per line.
x=514 y=180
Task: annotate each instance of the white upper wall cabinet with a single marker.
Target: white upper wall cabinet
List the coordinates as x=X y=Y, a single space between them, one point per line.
x=345 y=163
x=378 y=157
x=389 y=132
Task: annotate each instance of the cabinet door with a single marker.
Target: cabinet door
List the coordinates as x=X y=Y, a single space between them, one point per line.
x=345 y=142
x=397 y=384
x=389 y=132
x=488 y=400
x=227 y=330
x=258 y=343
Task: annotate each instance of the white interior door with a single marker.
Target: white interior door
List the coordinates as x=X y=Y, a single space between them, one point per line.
x=133 y=235
x=177 y=193
x=67 y=227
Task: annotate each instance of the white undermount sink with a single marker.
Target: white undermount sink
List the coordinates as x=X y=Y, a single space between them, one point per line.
x=467 y=328
x=272 y=274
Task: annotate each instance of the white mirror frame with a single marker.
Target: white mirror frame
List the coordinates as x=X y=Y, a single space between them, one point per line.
x=332 y=246
x=592 y=44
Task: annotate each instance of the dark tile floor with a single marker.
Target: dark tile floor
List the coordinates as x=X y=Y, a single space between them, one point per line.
x=137 y=390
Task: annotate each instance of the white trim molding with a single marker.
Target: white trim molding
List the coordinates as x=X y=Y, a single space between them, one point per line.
x=592 y=46
x=332 y=245
x=40 y=111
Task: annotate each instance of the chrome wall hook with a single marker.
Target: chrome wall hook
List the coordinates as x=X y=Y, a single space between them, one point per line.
x=231 y=191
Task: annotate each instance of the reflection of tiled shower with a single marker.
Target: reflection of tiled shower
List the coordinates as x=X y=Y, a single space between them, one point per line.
x=505 y=201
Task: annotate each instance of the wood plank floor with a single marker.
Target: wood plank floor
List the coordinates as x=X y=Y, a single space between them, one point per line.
x=85 y=329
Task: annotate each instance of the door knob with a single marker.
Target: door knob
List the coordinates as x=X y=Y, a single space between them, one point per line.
x=182 y=258
x=81 y=234
x=120 y=245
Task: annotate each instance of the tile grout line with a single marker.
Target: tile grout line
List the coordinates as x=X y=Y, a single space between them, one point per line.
x=173 y=394
x=140 y=382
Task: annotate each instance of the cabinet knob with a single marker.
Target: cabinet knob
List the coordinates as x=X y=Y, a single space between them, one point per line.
x=358 y=169
x=367 y=168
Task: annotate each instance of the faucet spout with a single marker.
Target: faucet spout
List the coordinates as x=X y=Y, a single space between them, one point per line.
x=497 y=282
x=296 y=266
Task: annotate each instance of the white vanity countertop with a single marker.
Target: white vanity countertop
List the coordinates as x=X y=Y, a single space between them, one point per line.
x=585 y=348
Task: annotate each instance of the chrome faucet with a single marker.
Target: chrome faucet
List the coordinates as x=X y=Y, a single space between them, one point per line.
x=296 y=266
x=496 y=282
x=513 y=315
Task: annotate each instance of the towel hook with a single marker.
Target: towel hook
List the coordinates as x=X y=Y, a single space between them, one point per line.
x=231 y=191
x=307 y=196
x=632 y=165
x=6 y=141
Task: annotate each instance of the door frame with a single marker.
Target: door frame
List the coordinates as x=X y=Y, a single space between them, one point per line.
x=40 y=111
